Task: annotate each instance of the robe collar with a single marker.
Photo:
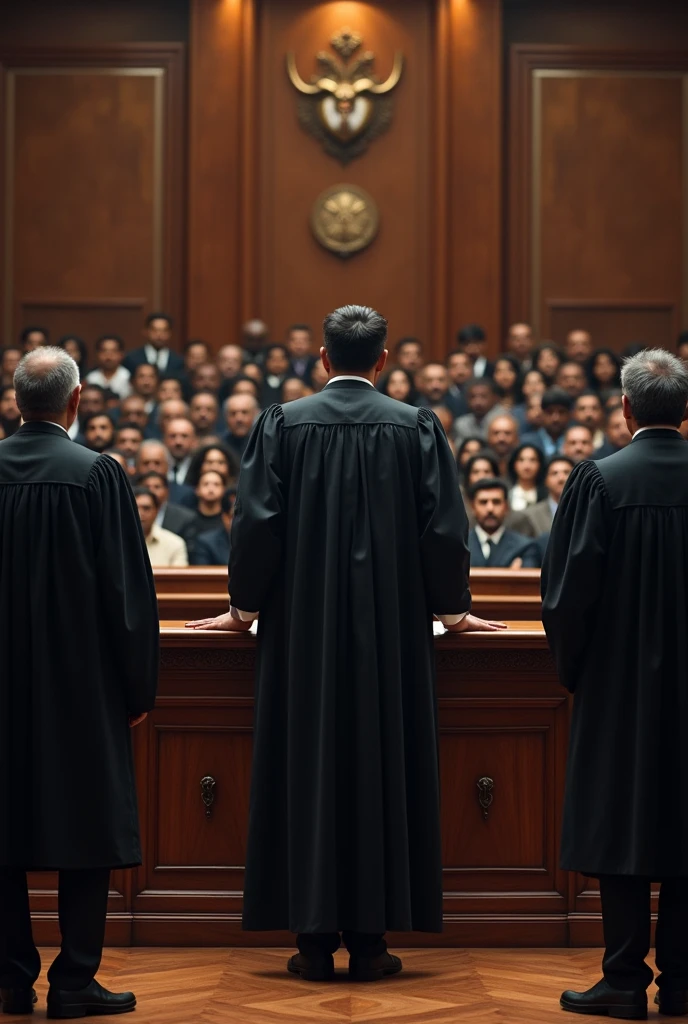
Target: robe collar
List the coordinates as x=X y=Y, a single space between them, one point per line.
x=348 y=382
x=649 y=432
x=43 y=427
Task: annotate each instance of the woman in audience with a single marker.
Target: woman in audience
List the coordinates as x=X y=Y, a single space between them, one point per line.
x=468 y=447
x=76 y=348
x=216 y=456
x=533 y=388
x=604 y=370
x=209 y=490
x=482 y=466
x=169 y=388
x=398 y=384
x=547 y=358
x=527 y=473
x=507 y=377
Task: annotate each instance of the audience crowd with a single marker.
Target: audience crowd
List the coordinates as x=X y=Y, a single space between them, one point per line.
x=178 y=423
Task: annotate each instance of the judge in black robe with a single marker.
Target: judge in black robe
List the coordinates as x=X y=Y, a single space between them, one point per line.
x=615 y=607
x=349 y=533
x=79 y=641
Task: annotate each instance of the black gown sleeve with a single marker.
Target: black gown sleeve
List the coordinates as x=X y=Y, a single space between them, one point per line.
x=572 y=570
x=125 y=583
x=443 y=522
x=257 y=529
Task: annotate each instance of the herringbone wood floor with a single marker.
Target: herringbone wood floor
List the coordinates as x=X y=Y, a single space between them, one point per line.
x=438 y=986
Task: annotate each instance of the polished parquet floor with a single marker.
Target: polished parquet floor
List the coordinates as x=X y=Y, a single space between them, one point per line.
x=438 y=986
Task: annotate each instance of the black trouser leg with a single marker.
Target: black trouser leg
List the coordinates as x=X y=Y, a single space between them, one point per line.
x=314 y=944
x=672 y=934
x=364 y=944
x=82 y=907
x=20 y=963
x=627 y=921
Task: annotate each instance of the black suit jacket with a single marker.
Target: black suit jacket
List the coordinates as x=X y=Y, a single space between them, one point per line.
x=212 y=547
x=183 y=522
x=306 y=375
x=175 y=362
x=512 y=545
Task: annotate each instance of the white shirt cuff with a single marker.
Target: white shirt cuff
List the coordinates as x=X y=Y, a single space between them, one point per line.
x=451 y=620
x=245 y=616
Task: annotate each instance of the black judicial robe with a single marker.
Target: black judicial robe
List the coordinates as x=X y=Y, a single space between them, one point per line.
x=349 y=533
x=79 y=653
x=615 y=607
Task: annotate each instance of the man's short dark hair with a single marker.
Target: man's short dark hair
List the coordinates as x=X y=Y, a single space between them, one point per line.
x=557 y=396
x=143 y=492
x=159 y=316
x=96 y=416
x=455 y=352
x=196 y=341
x=480 y=382
x=559 y=458
x=128 y=426
x=299 y=327
x=588 y=393
x=488 y=484
x=276 y=347
x=470 y=332
x=146 y=366
x=110 y=337
x=578 y=426
x=403 y=342
x=23 y=337
x=355 y=338
x=152 y=474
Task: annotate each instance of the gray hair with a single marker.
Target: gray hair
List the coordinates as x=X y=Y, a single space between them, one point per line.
x=656 y=385
x=146 y=446
x=45 y=380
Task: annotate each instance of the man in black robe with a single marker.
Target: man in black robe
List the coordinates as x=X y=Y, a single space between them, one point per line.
x=615 y=607
x=349 y=533
x=79 y=641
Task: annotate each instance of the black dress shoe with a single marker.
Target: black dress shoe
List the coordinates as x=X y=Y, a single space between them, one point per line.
x=312 y=968
x=94 y=1000
x=605 y=1001
x=18 y=1000
x=373 y=968
x=672 y=1002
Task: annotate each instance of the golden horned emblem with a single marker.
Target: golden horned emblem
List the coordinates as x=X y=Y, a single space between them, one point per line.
x=345 y=106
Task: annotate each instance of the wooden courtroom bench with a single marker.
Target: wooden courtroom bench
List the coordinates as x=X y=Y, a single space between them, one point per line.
x=201 y=592
x=503 y=722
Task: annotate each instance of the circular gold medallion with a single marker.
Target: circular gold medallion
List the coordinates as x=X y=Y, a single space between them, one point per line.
x=345 y=219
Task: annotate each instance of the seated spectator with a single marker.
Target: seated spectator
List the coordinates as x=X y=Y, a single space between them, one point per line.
x=157 y=333
x=144 y=383
x=230 y=361
x=172 y=517
x=254 y=371
x=578 y=346
x=33 y=337
x=682 y=346
x=10 y=417
x=215 y=457
x=469 y=446
x=526 y=470
x=520 y=344
x=118 y=456
x=241 y=412
x=578 y=444
x=481 y=466
x=604 y=370
x=319 y=377
x=77 y=349
x=481 y=396
x=254 y=336
x=276 y=367
x=204 y=413
x=206 y=377
x=300 y=349
x=128 y=440
x=547 y=358
x=502 y=438
x=196 y=353
x=533 y=388
x=179 y=437
x=209 y=490
x=91 y=400
x=507 y=376
x=588 y=410
x=571 y=378
x=164 y=548
x=460 y=370
x=171 y=409
x=169 y=389
x=212 y=547
x=556 y=416
x=491 y=544
x=133 y=410
x=9 y=361
x=447 y=420
x=399 y=385
x=616 y=435
x=152 y=457
x=243 y=385
x=433 y=387
x=408 y=354
x=612 y=399
x=471 y=340
x=293 y=389
x=109 y=372
x=98 y=432
x=541 y=515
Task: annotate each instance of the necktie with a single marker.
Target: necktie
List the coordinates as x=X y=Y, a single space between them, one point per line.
x=493 y=547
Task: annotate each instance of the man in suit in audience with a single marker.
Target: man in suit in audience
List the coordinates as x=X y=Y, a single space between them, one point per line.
x=154 y=457
x=616 y=435
x=203 y=413
x=179 y=437
x=409 y=355
x=241 y=412
x=572 y=379
x=588 y=410
x=79 y=639
x=481 y=396
x=471 y=339
x=502 y=438
x=491 y=545
x=520 y=343
x=541 y=514
x=299 y=346
x=212 y=546
x=615 y=605
x=172 y=517
x=156 y=349
x=165 y=548
x=460 y=370
x=578 y=346
x=556 y=416
x=577 y=443
x=434 y=387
